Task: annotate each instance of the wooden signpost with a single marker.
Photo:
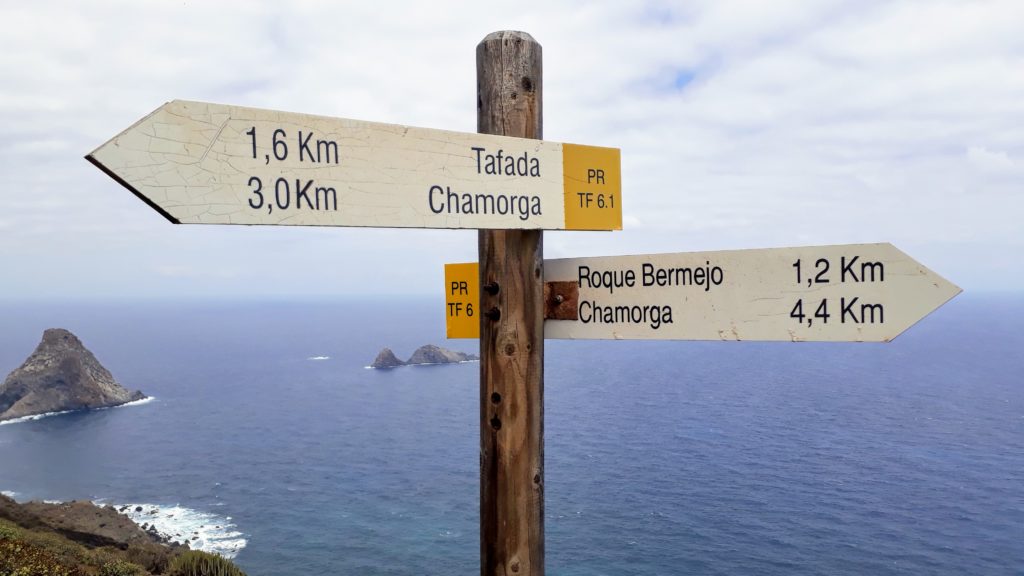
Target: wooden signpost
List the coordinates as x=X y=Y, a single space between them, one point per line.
x=199 y=163
x=851 y=293
x=509 y=88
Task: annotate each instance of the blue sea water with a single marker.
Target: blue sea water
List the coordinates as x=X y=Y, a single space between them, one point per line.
x=661 y=457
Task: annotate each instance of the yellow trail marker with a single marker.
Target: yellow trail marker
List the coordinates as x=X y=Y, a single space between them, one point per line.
x=462 y=292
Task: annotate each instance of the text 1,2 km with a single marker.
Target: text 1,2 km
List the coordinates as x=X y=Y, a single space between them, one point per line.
x=850 y=270
x=848 y=311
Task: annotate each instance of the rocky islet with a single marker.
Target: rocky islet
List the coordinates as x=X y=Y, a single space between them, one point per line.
x=428 y=354
x=61 y=375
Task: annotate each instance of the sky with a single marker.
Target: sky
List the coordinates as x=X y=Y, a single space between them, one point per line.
x=741 y=125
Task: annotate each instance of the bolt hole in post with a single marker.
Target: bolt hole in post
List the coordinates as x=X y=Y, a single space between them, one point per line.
x=495 y=398
x=496 y=423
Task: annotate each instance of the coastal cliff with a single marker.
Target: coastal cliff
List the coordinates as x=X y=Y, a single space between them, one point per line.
x=60 y=375
x=84 y=539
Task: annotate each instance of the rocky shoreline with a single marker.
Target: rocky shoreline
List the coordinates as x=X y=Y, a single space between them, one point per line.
x=81 y=538
x=83 y=522
x=78 y=538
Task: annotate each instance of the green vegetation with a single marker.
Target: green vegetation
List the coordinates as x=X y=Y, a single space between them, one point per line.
x=194 y=563
x=122 y=568
x=9 y=531
x=36 y=551
x=22 y=559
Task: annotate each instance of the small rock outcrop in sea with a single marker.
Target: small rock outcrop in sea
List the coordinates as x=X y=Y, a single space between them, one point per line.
x=431 y=354
x=61 y=375
x=387 y=359
x=428 y=354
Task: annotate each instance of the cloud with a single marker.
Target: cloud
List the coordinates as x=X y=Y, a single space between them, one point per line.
x=742 y=124
x=991 y=161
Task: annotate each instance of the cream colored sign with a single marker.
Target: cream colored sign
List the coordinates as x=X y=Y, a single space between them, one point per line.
x=861 y=292
x=199 y=163
x=850 y=293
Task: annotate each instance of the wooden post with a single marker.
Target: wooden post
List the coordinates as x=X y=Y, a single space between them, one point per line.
x=508 y=68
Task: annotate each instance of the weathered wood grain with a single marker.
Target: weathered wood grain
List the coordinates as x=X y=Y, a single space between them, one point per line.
x=509 y=89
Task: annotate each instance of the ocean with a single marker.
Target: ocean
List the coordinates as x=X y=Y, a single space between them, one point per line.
x=268 y=440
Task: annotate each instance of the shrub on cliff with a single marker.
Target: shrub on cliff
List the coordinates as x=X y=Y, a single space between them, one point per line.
x=122 y=568
x=9 y=531
x=21 y=559
x=155 y=559
x=195 y=563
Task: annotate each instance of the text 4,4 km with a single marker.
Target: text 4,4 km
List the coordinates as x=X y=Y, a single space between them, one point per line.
x=850 y=311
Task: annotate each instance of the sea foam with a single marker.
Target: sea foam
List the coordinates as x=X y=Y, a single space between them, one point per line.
x=200 y=530
x=145 y=400
x=34 y=417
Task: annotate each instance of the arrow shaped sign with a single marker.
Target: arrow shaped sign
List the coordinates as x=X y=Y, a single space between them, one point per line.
x=199 y=163
x=858 y=292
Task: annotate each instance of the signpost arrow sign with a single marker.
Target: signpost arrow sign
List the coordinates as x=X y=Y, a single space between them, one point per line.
x=858 y=292
x=199 y=163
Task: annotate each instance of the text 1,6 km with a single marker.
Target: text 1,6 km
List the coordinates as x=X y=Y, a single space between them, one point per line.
x=310 y=149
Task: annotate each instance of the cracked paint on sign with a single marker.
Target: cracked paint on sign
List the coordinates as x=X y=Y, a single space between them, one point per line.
x=201 y=163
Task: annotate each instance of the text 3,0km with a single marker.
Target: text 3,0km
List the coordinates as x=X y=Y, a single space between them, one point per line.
x=303 y=196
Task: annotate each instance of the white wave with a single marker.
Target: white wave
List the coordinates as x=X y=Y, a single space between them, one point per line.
x=9 y=494
x=145 y=400
x=200 y=530
x=34 y=417
x=319 y=358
